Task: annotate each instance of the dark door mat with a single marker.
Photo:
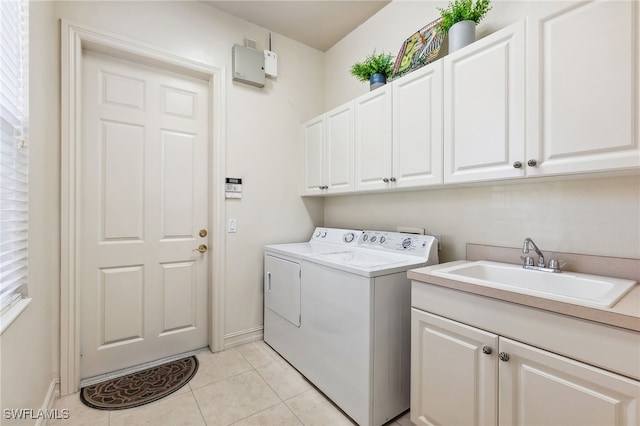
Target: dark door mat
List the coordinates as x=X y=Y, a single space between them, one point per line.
x=140 y=388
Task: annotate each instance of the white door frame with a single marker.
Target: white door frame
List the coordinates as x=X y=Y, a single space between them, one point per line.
x=74 y=38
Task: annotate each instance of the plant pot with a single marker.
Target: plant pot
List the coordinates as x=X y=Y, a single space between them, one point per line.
x=377 y=80
x=461 y=34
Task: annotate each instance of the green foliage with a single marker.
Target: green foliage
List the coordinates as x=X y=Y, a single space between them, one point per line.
x=463 y=10
x=374 y=63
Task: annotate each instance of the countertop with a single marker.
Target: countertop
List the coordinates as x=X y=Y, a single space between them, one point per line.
x=624 y=314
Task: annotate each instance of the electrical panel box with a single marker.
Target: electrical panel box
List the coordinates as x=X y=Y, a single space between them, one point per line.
x=248 y=66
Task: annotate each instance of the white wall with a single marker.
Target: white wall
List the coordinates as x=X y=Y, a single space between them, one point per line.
x=261 y=148
x=30 y=346
x=594 y=216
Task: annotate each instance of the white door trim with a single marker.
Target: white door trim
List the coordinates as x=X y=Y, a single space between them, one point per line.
x=74 y=38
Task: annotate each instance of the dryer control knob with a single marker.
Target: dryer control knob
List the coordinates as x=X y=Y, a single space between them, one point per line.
x=382 y=239
x=406 y=243
x=348 y=237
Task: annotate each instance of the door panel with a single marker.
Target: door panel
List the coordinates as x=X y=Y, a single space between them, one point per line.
x=143 y=197
x=453 y=374
x=541 y=388
x=282 y=288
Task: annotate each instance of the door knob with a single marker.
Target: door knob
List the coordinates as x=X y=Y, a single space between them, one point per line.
x=203 y=233
x=202 y=249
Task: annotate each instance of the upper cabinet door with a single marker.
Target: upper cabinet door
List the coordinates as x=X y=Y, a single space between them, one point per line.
x=417 y=128
x=313 y=156
x=373 y=139
x=484 y=108
x=583 y=88
x=339 y=149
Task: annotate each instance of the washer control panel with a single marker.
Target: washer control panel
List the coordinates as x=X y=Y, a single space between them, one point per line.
x=398 y=242
x=394 y=242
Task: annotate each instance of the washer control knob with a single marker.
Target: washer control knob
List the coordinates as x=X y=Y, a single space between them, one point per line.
x=406 y=243
x=373 y=239
x=365 y=237
x=324 y=234
x=382 y=239
x=348 y=237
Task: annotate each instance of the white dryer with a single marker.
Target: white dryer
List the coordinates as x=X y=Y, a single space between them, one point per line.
x=338 y=309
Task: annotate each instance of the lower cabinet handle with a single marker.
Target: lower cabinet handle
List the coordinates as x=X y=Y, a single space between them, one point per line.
x=487 y=350
x=503 y=356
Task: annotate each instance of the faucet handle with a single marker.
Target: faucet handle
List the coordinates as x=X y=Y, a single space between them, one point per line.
x=556 y=264
x=528 y=260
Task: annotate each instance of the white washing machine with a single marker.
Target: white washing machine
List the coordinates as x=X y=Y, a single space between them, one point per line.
x=338 y=307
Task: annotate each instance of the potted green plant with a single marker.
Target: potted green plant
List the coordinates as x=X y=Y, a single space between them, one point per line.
x=376 y=69
x=459 y=20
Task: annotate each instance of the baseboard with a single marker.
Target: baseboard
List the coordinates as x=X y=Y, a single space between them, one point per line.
x=47 y=406
x=241 y=337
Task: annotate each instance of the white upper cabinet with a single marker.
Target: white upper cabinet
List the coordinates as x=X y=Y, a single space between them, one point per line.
x=583 y=88
x=328 y=152
x=372 y=149
x=339 y=149
x=313 y=156
x=417 y=128
x=484 y=108
x=555 y=94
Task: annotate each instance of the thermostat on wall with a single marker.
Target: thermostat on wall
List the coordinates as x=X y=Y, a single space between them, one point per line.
x=233 y=188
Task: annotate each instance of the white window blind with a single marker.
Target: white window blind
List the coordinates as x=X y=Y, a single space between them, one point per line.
x=14 y=99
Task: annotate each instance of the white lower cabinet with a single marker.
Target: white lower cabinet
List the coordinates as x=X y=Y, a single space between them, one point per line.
x=462 y=375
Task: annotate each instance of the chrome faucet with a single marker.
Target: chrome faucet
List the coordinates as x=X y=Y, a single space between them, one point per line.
x=554 y=264
x=528 y=243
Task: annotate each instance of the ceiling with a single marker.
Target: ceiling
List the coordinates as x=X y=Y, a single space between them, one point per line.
x=319 y=24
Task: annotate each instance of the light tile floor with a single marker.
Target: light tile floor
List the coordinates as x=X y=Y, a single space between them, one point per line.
x=246 y=385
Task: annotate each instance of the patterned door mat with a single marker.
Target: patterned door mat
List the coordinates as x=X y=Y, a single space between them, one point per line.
x=140 y=388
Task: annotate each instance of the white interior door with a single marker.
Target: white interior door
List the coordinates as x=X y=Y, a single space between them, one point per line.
x=143 y=201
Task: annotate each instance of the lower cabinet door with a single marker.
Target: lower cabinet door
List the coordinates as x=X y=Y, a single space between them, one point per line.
x=453 y=372
x=541 y=388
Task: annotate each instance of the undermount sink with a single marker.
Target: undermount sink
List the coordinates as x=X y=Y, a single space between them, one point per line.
x=572 y=287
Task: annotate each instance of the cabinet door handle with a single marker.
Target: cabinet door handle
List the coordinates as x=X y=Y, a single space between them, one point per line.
x=503 y=356
x=487 y=350
x=532 y=163
x=392 y=179
x=517 y=165
x=385 y=180
x=268 y=281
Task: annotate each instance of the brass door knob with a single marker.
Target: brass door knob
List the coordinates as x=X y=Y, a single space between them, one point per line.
x=202 y=249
